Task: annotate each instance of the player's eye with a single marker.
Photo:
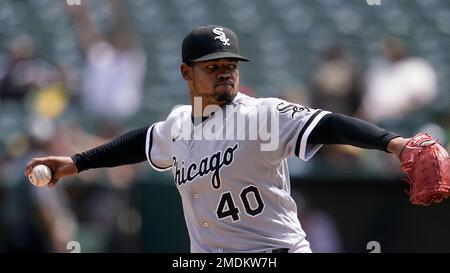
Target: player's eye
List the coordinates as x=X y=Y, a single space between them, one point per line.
x=211 y=67
x=232 y=66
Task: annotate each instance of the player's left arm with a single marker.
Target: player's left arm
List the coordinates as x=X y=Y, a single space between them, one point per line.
x=423 y=159
x=396 y=145
x=341 y=129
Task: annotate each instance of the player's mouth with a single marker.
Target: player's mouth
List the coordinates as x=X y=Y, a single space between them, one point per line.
x=227 y=83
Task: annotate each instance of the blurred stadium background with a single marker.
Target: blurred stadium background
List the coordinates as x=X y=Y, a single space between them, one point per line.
x=72 y=77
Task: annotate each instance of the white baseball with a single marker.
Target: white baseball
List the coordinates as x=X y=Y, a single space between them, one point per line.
x=40 y=176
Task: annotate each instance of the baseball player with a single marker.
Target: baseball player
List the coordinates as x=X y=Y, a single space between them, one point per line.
x=234 y=182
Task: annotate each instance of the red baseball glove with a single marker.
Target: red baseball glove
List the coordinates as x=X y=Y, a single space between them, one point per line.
x=427 y=165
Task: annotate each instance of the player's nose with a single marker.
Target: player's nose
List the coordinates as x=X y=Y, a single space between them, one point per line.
x=223 y=75
x=224 y=72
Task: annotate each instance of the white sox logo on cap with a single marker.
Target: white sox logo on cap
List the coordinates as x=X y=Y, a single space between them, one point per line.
x=221 y=36
x=210 y=42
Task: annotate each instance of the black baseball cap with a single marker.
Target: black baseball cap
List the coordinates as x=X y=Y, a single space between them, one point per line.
x=210 y=42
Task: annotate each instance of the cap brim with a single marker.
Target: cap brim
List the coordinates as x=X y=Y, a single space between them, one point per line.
x=221 y=55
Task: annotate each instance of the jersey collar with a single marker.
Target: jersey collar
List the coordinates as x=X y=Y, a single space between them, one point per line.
x=238 y=99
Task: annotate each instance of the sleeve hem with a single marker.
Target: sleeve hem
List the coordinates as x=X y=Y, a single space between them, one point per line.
x=148 y=147
x=302 y=139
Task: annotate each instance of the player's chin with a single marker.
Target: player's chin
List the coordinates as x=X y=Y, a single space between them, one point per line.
x=225 y=94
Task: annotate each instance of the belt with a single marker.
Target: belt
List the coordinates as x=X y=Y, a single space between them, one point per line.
x=277 y=250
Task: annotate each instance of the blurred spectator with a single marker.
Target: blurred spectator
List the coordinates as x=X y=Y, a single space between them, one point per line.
x=336 y=87
x=30 y=82
x=18 y=70
x=115 y=68
x=296 y=94
x=397 y=84
x=335 y=83
x=247 y=90
x=322 y=232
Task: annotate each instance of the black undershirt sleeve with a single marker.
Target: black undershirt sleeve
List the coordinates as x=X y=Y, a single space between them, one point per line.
x=341 y=129
x=128 y=148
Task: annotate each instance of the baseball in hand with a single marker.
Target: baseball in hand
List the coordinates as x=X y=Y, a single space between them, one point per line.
x=40 y=176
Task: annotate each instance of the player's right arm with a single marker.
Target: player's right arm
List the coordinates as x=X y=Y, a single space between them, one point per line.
x=60 y=165
x=149 y=143
x=128 y=148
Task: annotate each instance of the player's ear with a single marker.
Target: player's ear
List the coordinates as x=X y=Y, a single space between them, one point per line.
x=185 y=71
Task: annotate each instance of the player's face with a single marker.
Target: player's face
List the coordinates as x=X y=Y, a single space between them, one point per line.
x=216 y=81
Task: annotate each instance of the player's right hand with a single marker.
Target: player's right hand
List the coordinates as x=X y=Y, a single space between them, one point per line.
x=59 y=165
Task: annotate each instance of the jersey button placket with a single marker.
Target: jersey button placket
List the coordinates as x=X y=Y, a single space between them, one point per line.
x=205 y=224
x=193 y=150
x=196 y=195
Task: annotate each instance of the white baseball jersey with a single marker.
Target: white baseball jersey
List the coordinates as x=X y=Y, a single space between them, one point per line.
x=236 y=194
